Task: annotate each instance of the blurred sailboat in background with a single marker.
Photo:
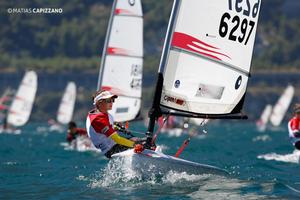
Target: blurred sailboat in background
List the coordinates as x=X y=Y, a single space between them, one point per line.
x=263 y=121
x=272 y=116
x=282 y=105
x=21 y=106
x=65 y=109
x=171 y=125
x=122 y=59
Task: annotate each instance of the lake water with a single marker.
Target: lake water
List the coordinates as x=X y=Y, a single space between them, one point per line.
x=37 y=165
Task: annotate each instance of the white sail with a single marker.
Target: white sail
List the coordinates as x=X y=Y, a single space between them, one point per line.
x=66 y=107
x=20 y=109
x=122 y=60
x=208 y=56
x=282 y=106
x=264 y=118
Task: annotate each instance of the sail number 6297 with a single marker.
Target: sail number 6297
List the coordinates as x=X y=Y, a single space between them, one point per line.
x=243 y=25
x=241 y=28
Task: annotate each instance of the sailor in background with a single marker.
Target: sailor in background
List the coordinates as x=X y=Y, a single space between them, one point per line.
x=74 y=132
x=294 y=127
x=99 y=125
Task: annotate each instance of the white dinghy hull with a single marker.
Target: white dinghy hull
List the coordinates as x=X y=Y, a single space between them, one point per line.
x=156 y=162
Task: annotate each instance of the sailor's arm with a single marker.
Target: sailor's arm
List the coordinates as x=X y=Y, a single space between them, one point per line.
x=121 y=140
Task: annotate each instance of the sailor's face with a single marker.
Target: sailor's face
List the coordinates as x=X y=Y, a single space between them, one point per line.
x=106 y=104
x=109 y=103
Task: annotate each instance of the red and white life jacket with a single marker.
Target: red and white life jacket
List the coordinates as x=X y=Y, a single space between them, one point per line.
x=99 y=127
x=294 y=127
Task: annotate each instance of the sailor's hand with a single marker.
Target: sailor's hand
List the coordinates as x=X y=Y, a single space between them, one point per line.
x=122 y=129
x=138 y=148
x=119 y=127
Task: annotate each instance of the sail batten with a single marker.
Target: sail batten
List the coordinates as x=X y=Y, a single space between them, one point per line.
x=121 y=55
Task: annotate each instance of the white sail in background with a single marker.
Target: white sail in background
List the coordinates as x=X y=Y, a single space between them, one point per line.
x=282 y=106
x=207 y=64
x=20 y=109
x=122 y=60
x=264 y=118
x=66 y=107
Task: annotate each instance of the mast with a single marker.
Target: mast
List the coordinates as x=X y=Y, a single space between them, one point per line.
x=104 y=51
x=155 y=110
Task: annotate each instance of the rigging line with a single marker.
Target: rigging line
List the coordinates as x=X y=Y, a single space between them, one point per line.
x=136 y=132
x=127 y=131
x=159 y=129
x=187 y=141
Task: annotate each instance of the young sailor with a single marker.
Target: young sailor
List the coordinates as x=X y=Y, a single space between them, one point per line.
x=74 y=132
x=99 y=125
x=294 y=127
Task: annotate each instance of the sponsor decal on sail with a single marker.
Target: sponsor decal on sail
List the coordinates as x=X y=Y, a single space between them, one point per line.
x=189 y=43
x=131 y=2
x=177 y=84
x=209 y=91
x=122 y=110
x=173 y=99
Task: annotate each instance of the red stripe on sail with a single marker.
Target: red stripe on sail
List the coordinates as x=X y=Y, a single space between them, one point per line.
x=117 y=51
x=189 y=43
x=119 y=11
